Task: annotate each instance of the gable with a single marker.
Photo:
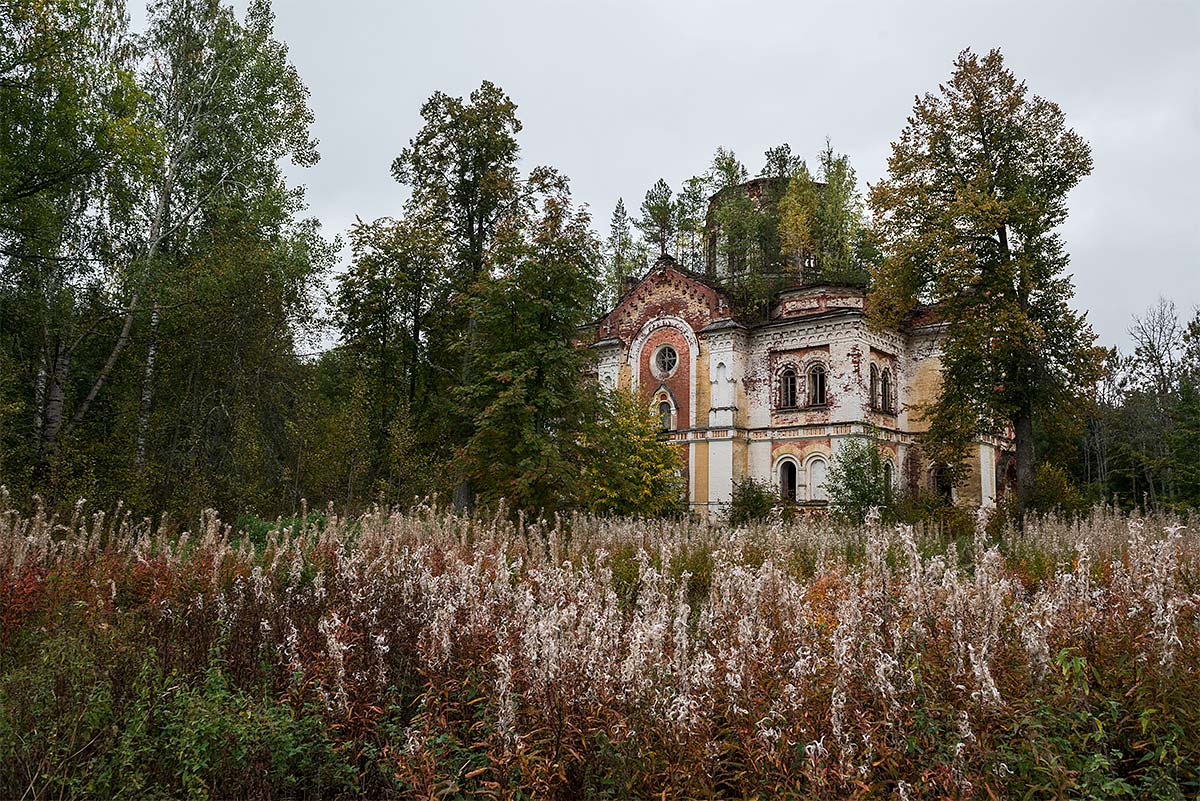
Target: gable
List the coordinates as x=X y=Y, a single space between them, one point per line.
x=665 y=291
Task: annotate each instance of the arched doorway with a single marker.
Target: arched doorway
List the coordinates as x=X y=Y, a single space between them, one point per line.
x=787 y=480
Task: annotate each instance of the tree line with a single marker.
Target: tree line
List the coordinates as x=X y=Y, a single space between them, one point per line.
x=161 y=292
x=164 y=297
x=1139 y=442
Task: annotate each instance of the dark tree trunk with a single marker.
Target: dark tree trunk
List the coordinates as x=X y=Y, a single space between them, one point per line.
x=1023 y=425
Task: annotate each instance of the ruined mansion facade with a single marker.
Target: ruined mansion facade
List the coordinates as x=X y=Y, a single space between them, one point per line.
x=775 y=399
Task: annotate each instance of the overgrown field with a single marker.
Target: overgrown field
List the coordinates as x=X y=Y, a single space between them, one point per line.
x=422 y=654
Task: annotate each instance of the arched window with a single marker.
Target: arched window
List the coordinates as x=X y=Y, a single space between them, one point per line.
x=874 y=387
x=816 y=385
x=787 y=389
x=720 y=399
x=941 y=481
x=787 y=480
x=818 y=471
x=885 y=391
x=664 y=413
x=889 y=478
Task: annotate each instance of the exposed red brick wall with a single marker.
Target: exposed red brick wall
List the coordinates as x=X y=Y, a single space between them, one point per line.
x=665 y=292
x=680 y=381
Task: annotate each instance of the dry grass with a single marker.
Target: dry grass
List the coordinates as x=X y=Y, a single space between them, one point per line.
x=446 y=656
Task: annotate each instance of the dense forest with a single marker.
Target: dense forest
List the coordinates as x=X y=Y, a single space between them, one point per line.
x=176 y=334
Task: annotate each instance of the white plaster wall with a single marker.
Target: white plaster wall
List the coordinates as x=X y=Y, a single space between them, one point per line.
x=608 y=366
x=840 y=336
x=987 y=474
x=758 y=460
x=720 y=473
x=848 y=401
x=722 y=350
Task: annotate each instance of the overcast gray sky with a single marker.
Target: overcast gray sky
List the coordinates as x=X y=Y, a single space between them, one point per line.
x=618 y=94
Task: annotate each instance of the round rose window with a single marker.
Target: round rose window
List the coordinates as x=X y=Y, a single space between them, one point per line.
x=665 y=360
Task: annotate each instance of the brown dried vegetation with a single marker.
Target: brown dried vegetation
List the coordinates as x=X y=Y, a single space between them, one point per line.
x=424 y=654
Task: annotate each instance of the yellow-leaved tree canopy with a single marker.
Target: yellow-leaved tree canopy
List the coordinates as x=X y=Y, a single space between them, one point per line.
x=630 y=468
x=967 y=219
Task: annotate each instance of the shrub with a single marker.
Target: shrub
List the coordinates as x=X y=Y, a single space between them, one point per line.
x=857 y=480
x=750 y=502
x=1055 y=492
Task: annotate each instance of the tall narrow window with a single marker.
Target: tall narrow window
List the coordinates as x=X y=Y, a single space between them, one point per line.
x=816 y=385
x=885 y=391
x=720 y=388
x=787 y=389
x=818 y=471
x=941 y=481
x=889 y=479
x=787 y=480
x=664 y=412
x=874 y=387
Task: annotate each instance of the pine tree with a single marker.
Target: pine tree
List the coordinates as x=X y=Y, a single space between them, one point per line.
x=619 y=250
x=658 y=221
x=726 y=171
x=822 y=222
x=690 y=207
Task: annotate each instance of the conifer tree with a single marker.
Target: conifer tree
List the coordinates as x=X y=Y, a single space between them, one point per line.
x=658 y=222
x=690 y=208
x=822 y=221
x=725 y=170
x=619 y=250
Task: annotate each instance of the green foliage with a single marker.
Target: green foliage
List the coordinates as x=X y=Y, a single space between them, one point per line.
x=387 y=304
x=1055 y=492
x=737 y=219
x=257 y=530
x=726 y=171
x=627 y=467
x=786 y=226
x=1137 y=443
x=658 y=222
x=751 y=501
x=691 y=205
x=71 y=727
x=619 y=251
x=977 y=186
x=821 y=222
x=154 y=277
x=857 y=480
x=462 y=168
x=936 y=512
x=529 y=386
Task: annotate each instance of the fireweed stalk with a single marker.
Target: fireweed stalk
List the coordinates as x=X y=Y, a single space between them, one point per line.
x=672 y=658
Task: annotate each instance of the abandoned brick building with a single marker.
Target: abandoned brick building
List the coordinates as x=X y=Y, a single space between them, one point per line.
x=775 y=398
